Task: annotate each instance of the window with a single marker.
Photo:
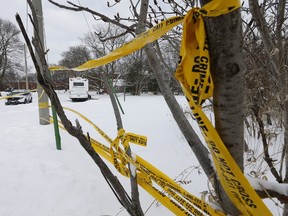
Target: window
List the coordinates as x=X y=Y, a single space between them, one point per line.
x=78 y=84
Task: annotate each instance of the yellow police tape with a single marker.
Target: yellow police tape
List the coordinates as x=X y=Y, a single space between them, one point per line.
x=42 y=93
x=193 y=73
x=43 y=105
x=173 y=196
x=140 y=41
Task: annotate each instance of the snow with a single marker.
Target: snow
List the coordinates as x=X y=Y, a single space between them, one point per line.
x=37 y=179
x=133 y=168
x=260 y=184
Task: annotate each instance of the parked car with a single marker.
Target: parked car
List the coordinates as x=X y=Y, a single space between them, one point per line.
x=10 y=89
x=19 y=97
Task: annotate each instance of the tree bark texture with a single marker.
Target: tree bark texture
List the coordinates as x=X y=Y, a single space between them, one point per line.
x=224 y=36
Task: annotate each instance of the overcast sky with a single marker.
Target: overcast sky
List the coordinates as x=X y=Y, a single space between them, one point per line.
x=62 y=28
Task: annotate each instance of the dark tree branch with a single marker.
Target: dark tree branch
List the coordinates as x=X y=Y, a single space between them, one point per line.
x=267 y=157
x=136 y=206
x=72 y=130
x=261 y=24
x=279 y=26
x=104 y=39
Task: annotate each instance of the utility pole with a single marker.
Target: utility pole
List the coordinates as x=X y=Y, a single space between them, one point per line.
x=43 y=105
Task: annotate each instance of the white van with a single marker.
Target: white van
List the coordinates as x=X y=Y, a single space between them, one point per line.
x=78 y=89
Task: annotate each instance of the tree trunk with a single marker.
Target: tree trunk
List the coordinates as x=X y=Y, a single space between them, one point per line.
x=135 y=205
x=225 y=36
x=3 y=71
x=113 y=102
x=1 y=82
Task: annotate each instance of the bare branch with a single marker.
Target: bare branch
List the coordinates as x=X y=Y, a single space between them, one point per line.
x=280 y=21
x=78 y=8
x=102 y=39
x=267 y=157
x=264 y=31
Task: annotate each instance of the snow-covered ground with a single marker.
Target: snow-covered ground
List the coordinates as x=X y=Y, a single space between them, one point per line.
x=36 y=179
